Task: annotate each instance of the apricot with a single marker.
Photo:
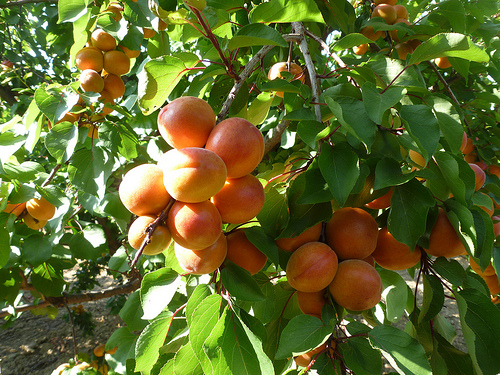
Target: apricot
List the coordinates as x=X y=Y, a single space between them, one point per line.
x=370 y=33
x=386 y=11
x=488 y=271
x=33 y=223
x=467 y=145
x=312 y=303
x=90 y=80
x=130 y=53
x=414 y=43
x=114 y=85
x=186 y=122
x=294 y=69
x=382 y=202
x=102 y=40
x=394 y=255
x=494 y=170
x=401 y=11
x=403 y=49
x=470 y=157
x=480 y=176
x=352 y=233
x=194 y=226
x=244 y=253
x=442 y=62
x=199 y=262
x=311 y=267
x=291 y=244
x=99 y=350
x=481 y=164
x=444 y=240
x=493 y=284
x=361 y=49
x=142 y=190
x=357 y=285
x=192 y=174
x=40 y=209
x=89 y=58
x=305 y=359
x=240 y=199
x=148 y=33
x=106 y=98
x=160 y=238
x=239 y=143
x=15 y=208
x=116 y=9
x=390 y=2
x=116 y=62
x=394 y=33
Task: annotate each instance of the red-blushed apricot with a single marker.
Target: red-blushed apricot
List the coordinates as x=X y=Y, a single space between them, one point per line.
x=361 y=49
x=394 y=255
x=382 y=202
x=89 y=58
x=312 y=303
x=294 y=69
x=114 y=85
x=371 y=34
x=386 y=11
x=90 y=80
x=352 y=233
x=401 y=11
x=311 y=267
x=394 y=33
x=403 y=49
x=442 y=62
x=494 y=170
x=493 y=283
x=480 y=176
x=357 y=285
x=102 y=40
x=244 y=253
x=239 y=143
x=160 y=239
x=240 y=199
x=488 y=271
x=194 y=226
x=481 y=164
x=467 y=145
x=130 y=52
x=15 y=208
x=199 y=262
x=311 y=234
x=444 y=240
x=33 y=223
x=142 y=190
x=186 y=122
x=192 y=174
x=40 y=209
x=471 y=157
x=116 y=62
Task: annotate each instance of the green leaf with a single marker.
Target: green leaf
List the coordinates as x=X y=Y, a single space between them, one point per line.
x=61 y=141
x=240 y=284
x=285 y=11
x=71 y=10
x=157 y=290
x=377 y=103
x=125 y=340
x=185 y=362
x=132 y=312
x=479 y=320
x=485 y=236
x=258 y=110
x=395 y=294
x=350 y=40
x=316 y=189
x=338 y=12
x=449 y=122
x=36 y=249
x=454 y=12
x=88 y=244
x=307 y=130
x=410 y=203
x=48 y=280
x=451 y=270
x=274 y=215
x=119 y=137
x=201 y=292
x=395 y=72
x=4 y=247
x=449 y=168
x=433 y=299
x=403 y=351
x=258 y=237
x=150 y=341
x=463 y=221
x=54 y=101
x=256 y=34
x=360 y=356
x=388 y=173
x=302 y=334
x=339 y=166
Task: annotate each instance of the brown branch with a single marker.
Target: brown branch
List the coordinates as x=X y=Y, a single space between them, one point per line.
x=52 y=175
x=273 y=136
x=23 y=2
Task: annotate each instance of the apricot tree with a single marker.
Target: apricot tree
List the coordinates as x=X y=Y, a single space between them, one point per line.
x=154 y=140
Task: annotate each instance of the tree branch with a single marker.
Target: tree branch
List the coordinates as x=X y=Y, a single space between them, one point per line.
x=273 y=136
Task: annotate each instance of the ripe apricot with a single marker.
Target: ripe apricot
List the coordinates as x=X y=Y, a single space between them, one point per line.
x=116 y=62
x=470 y=157
x=357 y=285
x=294 y=69
x=401 y=11
x=240 y=199
x=403 y=49
x=112 y=351
x=90 y=80
x=239 y=143
x=311 y=267
x=160 y=238
x=386 y=11
x=130 y=53
x=199 y=262
x=494 y=170
x=311 y=234
x=194 y=226
x=89 y=58
x=382 y=202
x=40 y=209
x=493 y=284
x=361 y=49
x=480 y=176
x=442 y=62
x=244 y=253
x=102 y=40
x=305 y=359
x=370 y=33
x=116 y=9
x=481 y=164
x=114 y=85
x=352 y=233
x=467 y=145
x=312 y=303
x=15 y=208
x=414 y=43
x=99 y=350
x=192 y=174
x=394 y=33
x=33 y=223
x=444 y=240
x=390 y=2
x=142 y=190
x=488 y=271
x=186 y=122
x=394 y=255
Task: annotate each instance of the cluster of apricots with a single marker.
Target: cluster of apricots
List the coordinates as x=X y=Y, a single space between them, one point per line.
x=204 y=181
x=35 y=213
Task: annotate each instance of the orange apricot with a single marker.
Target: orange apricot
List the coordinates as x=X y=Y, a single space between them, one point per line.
x=311 y=267
x=99 y=350
x=386 y=11
x=148 y=33
x=494 y=170
x=142 y=190
x=294 y=69
x=116 y=9
x=240 y=199
x=194 y=226
x=371 y=34
x=312 y=303
x=90 y=80
x=357 y=285
x=352 y=233
x=130 y=53
x=403 y=49
x=116 y=62
x=106 y=98
x=493 y=284
x=291 y=244
x=114 y=85
x=244 y=253
x=401 y=11
x=414 y=43
x=467 y=146
x=192 y=174
x=480 y=176
x=444 y=240
x=471 y=157
x=488 y=271
x=239 y=143
x=89 y=58
x=390 y=2
x=40 y=209
x=394 y=255
x=394 y=33
x=382 y=202
x=15 y=208
x=160 y=238
x=33 y=223
x=442 y=62
x=305 y=359
x=102 y=40
x=361 y=49
x=186 y=122
x=204 y=261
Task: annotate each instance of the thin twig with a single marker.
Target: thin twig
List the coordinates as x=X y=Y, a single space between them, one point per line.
x=51 y=175
x=75 y=351
x=323 y=45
